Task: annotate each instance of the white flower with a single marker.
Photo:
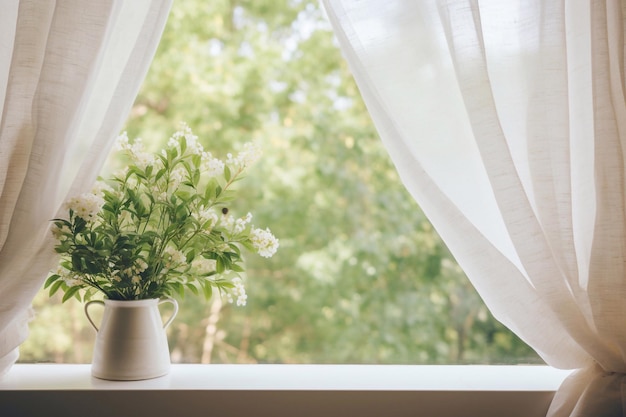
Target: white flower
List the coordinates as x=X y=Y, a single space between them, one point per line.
x=85 y=206
x=178 y=175
x=204 y=266
x=239 y=291
x=121 y=173
x=72 y=282
x=158 y=194
x=250 y=153
x=212 y=166
x=236 y=225
x=71 y=279
x=193 y=146
x=176 y=256
x=59 y=232
x=135 y=151
x=241 y=223
x=207 y=215
x=264 y=242
x=140 y=265
x=142 y=160
x=99 y=188
x=122 y=144
x=136 y=279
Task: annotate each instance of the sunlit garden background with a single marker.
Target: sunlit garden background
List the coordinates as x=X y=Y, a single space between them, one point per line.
x=360 y=276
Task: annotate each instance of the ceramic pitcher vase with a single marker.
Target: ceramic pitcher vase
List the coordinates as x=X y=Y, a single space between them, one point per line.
x=131 y=343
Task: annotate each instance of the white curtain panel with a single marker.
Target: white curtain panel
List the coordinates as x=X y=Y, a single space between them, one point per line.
x=507 y=123
x=69 y=73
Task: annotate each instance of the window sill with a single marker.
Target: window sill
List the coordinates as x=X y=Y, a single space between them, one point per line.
x=285 y=390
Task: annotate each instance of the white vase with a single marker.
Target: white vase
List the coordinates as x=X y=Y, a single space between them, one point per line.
x=131 y=343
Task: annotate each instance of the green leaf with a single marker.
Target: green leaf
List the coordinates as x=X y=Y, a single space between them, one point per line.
x=89 y=294
x=108 y=207
x=51 y=279
x=196 y=160
x=227 y=173
x=219 y=265
x=180 y=289
x=77 y=262
x=210 y=191
x=171 y=153
x=133 y=170
x=79 y=225
x=55 y=287
x=227 y=196
x=196 y=178
x=71 y=292
x=235 y=249
x=192 y=288
x=184 y=196
x=222 y=283
x=248 y=245
x=207 y=290
x=160 y=173
x=183 y=144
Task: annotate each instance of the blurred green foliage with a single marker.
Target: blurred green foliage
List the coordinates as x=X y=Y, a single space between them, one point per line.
x=361 y=276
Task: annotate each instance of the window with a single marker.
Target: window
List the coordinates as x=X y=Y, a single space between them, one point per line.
x=361 y=276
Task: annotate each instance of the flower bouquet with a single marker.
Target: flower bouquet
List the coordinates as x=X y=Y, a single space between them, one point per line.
x=160 y=227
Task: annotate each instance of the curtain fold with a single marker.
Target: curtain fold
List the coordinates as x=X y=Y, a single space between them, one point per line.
x=506 y=122
x=69 y=73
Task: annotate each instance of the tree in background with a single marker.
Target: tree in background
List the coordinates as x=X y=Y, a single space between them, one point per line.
x=361 y=276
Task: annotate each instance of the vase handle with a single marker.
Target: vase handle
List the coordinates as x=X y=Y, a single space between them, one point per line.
x=87 y=311
x=175 y=304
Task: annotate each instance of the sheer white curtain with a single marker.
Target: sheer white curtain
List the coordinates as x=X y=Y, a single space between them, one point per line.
x=507 y=123
x=69 y=72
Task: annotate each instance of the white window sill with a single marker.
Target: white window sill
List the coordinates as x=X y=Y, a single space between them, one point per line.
x=285 y=390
